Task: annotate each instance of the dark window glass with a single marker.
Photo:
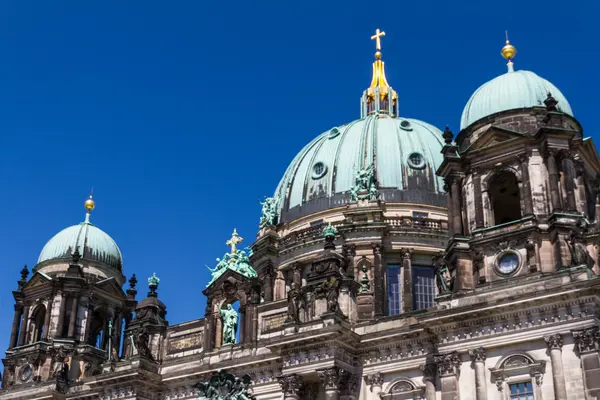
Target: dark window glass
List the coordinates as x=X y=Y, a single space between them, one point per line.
x=394 y=290
x=521 y=391
x=423 y=287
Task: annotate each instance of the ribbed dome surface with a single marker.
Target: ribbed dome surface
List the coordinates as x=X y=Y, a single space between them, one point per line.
x=405 y=153
x=93 y=244
x=512 y=90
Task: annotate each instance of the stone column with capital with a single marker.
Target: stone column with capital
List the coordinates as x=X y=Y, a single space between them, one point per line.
x=569 y=180
x=378 y=285
x=429 y=374
x=478 y=198
x=47 y=319
x=555 y=344
x=448 y=368
x=478 y=357
x=24 y=323
x=407 y=283
x=526 y=185
x=292 y=386
x=457 y=225
x=61 y=315
x=580 y=185
x=587 y=344
x=14 y=333
x=332 y=380
x=553 y=180
x=375 y=383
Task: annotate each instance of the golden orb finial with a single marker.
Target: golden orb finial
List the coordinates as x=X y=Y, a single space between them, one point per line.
x=508 y=51
x=89 y=204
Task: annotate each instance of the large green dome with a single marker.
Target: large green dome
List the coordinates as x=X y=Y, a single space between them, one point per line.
x=512 y=90
x=93 y=244
x=405 y=154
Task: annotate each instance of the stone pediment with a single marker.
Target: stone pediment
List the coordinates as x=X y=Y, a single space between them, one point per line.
x=229 y=278
x=38 y=279
x=111 y=286
x=493 y=137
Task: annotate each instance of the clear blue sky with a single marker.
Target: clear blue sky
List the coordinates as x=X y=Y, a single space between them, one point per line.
x=184 y=114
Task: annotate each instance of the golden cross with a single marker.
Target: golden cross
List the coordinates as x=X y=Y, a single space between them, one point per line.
x=233 y=242
x=377 y=37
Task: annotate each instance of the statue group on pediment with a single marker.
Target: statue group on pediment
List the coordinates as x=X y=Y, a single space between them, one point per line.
x=225 y=386
x=238 y=261
x=364 y=185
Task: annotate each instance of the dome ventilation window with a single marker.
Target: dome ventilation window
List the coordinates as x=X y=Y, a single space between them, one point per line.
x=334 y=132
x=508 y=263
x=319 y=170
x=406 y=126
x=416 y=161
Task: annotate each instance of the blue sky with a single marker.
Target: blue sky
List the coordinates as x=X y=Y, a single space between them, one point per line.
x=183 y=115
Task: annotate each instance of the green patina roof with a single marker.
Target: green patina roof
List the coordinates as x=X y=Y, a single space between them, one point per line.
x=512 y=90
x=387 y=142
x=93 y=244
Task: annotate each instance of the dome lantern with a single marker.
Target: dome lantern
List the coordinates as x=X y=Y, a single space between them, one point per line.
x=379 y=98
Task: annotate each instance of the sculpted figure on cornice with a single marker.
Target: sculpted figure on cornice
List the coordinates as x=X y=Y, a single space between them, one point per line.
x=269 y=211
x=329 y=289
x=579 y=252
x=225 y=386
x=443 y=278
x=142 y=341
x=295 y=303
x=364 y=185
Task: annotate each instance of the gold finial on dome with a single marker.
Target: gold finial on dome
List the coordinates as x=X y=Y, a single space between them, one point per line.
x=379 y=98
x=89 y=205
x=508 y=52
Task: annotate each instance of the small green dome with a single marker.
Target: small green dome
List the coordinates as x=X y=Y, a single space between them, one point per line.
x=512 y=90
x=404 y=152
x=93 y=244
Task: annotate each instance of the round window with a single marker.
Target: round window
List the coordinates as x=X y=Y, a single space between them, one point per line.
x=333 y=133
x=319 y=170
x=416 y=160
x=508 y=263
x=25 y=373
x=405 y=125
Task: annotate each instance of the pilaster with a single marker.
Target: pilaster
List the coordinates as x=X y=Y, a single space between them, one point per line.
x=448 y=368
x=587 y=344
x=555 y=344
x=478 y=357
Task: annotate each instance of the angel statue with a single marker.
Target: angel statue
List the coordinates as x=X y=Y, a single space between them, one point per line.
x=269 y=211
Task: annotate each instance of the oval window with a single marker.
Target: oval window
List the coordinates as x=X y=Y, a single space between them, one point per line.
x=405 y=125
x=508 y=263
x=334 y=132
x=416 y=160
x=319 y=170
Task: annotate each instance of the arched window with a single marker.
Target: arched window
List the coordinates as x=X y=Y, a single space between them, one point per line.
x=519 y=375
x=36 y=327
x=503 y=190
x=97 y=333
x=403 y=389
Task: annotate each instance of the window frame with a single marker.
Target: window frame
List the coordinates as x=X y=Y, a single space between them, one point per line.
x=387 y=288
x=414 y=286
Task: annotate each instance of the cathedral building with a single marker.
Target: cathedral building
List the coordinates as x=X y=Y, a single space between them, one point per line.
x=393 y=261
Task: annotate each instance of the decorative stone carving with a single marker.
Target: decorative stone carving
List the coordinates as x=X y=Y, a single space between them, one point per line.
x=447 y=364
x=59 y=356
x=554 y=341
x=291 y=385
x=375 y=380
x=330 y=290
x=478 y=355
x=443 y=279
x=579 y=253
x=295 y=303
x=230 y=322
x=225 y=386
x=331 y=377
x=62 y=379
x=587 y=340
x=402 y=387
x=142 y=341
x=429 y=370
x=269 y=211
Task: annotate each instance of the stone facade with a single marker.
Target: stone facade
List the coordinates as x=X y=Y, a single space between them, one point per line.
x=516 y=304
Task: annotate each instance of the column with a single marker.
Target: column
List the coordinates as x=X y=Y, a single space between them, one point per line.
x=378 y=286
x=89 y=318
x=243 y=323
x=478 y=358
x=457 y=227
x=24 y=322
x=429 y=374
x=73 y=317
x=448 y=368
x=375 y=383
x=47 y=318
x=580 y=183
x=331 y=379
x=478 y=199
x=553 y=180
x=587 y=343
x=407 y=284
x=569 y=174
x=291 y=385
x=447 y=189
x=61 y=315
x=555 y=344
x=14 y=333
x=526 y=186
